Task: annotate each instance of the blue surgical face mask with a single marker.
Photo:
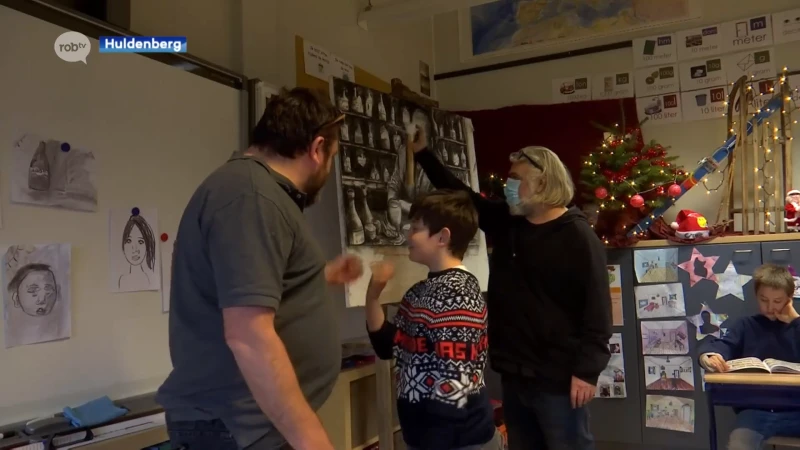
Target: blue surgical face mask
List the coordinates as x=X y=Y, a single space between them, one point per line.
x=511 y=191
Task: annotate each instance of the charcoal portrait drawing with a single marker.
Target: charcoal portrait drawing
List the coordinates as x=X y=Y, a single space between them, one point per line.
x=36 y=294
x=133 y=250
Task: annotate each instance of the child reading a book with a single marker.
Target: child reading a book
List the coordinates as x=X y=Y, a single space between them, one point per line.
x=772 y=334
x=439 y=333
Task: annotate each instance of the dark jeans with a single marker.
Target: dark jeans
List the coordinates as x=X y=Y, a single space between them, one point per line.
x=537 y=420
x=210 y=435
x=753 y=427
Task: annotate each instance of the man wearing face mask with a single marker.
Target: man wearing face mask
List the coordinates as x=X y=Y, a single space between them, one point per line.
x=548 y=299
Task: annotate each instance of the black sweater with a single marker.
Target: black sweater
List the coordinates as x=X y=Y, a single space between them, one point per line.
x=439 y=341
x=548 y=299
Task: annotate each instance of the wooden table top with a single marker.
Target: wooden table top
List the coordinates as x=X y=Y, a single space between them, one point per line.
x=768 y=379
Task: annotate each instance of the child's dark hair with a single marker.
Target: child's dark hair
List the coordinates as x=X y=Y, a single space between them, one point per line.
x=775 y=277
x=449 y=209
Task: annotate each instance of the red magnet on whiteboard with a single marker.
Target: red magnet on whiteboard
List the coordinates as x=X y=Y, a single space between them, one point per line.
x=164 y=237
x=65 y=147
x=135 y=212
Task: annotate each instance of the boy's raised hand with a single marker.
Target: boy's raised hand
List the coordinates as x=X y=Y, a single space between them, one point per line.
x=788 y=313
x=382 y=272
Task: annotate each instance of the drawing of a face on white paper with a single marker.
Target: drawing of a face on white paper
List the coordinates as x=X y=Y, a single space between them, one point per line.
x=132 y=249
x=36 y=294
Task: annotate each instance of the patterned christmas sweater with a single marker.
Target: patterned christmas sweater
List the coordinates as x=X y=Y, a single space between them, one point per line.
x=440 y=344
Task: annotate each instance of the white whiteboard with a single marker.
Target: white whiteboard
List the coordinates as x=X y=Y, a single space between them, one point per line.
x=156 y=132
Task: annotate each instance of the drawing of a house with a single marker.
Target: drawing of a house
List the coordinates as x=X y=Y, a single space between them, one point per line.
x=664 y=338
x=669 y=374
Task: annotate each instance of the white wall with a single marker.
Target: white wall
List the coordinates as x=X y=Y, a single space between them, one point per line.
x=531 y=84
x=257 y=38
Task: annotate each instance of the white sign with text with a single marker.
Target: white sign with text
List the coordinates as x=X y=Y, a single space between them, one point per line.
x=764 y=90
x=322 y=64
x=702 y=73
x=654 y=50
x=699 y=42
x=786 y=26
x=660 y=109
x=756 y=65
x=612 y=85
x=657 y=80
x=573 y=89
x=749 y=33
x=704 y=104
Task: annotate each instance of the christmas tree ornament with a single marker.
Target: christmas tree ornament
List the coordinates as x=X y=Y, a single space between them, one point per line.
x=690 y=225
x=708 y=267
x=792 y=217
x=637 y=201
x=660 y=190
x=730 y=282
x=674 y=190
x=601 y=193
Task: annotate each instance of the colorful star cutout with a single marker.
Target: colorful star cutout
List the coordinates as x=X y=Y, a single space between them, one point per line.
x=707 y=322
x=730 y=282
x=708 y=264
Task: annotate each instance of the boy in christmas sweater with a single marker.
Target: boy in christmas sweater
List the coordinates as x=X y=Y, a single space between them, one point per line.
x=774 y=333
x=439 y=333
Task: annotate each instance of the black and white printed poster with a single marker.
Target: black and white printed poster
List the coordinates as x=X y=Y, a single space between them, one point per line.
x=379 y=178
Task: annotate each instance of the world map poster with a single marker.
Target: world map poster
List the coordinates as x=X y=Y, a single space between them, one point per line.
x=505 y=25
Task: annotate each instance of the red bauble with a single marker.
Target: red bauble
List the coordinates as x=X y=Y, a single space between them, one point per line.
x=601 y=193
x=637 y=201
x=660 y=190
x=674 y=190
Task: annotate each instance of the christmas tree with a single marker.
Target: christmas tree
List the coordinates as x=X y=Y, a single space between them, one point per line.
x=627 y=172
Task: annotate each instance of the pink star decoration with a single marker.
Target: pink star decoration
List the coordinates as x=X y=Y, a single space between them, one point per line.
x=708 y=265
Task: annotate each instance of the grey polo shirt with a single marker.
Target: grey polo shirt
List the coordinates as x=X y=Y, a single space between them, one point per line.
x=243 y=241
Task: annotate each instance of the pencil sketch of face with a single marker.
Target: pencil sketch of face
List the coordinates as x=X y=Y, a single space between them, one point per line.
x=34 y=290
x=138 y=242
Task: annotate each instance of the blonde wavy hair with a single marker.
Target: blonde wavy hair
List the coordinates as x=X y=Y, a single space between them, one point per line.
x=549 y=181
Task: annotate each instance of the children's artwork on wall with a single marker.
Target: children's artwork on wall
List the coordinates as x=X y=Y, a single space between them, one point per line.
x=49 y=172
x=669 y=413
x=668 y=373
x=699 y=267
x=656 y=266
x=133 y=250
x=611 y=383
x=36 y=294
x=379 y=179
x=615 y=285
x=730 y=282
x=664 y=337
x=791 y=270
x=660 y=300
x=707 y=322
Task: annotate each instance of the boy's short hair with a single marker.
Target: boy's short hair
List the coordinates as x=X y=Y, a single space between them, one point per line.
x=775 y=277
x=449 y=209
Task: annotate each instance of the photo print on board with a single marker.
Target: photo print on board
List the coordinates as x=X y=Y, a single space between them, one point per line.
x=611 y=383
x=36 y=294
x=48 y=172
x=379 y=178
x=133 y=250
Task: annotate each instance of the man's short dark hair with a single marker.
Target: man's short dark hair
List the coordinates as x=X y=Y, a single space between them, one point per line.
x=449 y=209
x=293 y=119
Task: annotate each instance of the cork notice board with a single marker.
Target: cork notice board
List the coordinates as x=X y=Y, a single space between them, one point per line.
x=363 y=77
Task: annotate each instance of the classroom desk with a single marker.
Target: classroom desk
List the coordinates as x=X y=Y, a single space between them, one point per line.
x=749 y=390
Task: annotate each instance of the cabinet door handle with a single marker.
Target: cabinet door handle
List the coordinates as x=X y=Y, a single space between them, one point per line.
x=742 y=251
x=780 y=249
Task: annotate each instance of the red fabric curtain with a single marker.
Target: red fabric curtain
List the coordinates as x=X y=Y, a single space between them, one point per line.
x=567 y=129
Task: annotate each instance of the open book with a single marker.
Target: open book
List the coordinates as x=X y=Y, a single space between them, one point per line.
x=768 y=365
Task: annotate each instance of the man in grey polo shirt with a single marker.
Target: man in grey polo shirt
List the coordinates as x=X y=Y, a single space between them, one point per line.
x=253 y=335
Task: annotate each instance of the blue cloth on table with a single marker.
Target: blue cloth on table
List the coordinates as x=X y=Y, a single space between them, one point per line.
x=97 y=411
